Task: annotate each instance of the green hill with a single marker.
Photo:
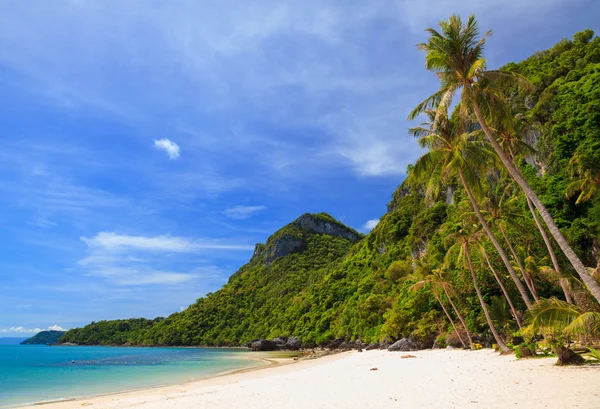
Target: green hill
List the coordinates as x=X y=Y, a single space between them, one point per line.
x=44 y=338
x=320 y=280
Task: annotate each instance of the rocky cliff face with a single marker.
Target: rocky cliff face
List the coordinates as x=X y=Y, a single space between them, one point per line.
x=324 y=224
x=292 y=238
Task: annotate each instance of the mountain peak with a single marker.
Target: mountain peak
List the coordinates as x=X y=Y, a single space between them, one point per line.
x=292 y=238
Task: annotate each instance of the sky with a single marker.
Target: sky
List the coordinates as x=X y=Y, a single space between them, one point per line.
x=146 y=145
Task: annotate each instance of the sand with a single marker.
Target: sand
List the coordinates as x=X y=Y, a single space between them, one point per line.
x=433 y=379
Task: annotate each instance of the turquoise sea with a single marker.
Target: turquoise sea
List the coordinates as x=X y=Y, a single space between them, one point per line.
x=31 y=373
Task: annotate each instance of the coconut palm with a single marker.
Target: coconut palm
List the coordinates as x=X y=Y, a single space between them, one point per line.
x=456 y=55
x=515 y=313
x=453 y=152
x=460 y=237
x=507 y=129
x=553 y=318
x=438 y=284
x=503 y=212
x=584 y=171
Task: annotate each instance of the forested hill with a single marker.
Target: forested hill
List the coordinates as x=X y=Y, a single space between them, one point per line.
x=44 y=338
x=254 y=301
x=319 y=280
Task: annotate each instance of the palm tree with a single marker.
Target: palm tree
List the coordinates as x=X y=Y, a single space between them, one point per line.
x=564 y=283
x=515 y=313
x=584 y=171
x=553 y=317
x=438 y=283
x=452 y=153
x=507 y=128
x=460 y=237
x=456 y=56
x=503 y=212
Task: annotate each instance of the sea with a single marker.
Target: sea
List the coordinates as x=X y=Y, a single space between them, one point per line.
x=35 y=373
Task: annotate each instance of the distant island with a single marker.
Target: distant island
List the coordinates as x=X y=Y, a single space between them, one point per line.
x=44 y=338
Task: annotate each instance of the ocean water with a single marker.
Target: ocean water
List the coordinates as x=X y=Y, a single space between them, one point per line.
x=32 y=373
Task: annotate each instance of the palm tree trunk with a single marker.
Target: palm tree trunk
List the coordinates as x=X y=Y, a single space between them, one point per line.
x=460 y=317
x=451 y=320
x=526 y=278
x=495 y=242
x=563 y=281
x=501 y=344
x=512 y=307
x=583 y=273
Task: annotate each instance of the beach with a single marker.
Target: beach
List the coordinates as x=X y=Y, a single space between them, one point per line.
x=377 y=379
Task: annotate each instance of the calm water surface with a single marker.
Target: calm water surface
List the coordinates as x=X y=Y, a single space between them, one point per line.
x=31 y=373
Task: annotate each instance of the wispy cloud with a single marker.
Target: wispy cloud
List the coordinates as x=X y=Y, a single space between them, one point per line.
x=23 y=330
x=125 y=260
x=370 y=224
x=111 y=241
x=242 y=212
x=170 y=147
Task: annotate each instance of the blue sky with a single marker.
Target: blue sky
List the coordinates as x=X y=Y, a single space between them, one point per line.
x=146 y=146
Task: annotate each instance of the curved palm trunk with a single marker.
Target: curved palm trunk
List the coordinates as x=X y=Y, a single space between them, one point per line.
x=495 y=242
x=585 y=276
x=563 y=281
x=460 y=317
x=528 y=280
x=512 y=307
x=501 y=344
x=450 y=319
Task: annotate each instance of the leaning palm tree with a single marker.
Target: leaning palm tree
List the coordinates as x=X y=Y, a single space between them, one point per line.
x=514 y=311
x=503 y=212
x=456 y=55
x=449 y=292
x=507 y=128
x=456 y=153
x=438 y=284
x=460 y=237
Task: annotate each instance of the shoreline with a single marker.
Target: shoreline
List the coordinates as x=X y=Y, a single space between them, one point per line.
x=268 y=362
x=376 y=380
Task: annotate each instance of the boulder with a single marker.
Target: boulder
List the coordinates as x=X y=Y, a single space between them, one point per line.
x=384 y=345
x=567 y=356
x=280 y=342
x=263 y=345
x=372 y=346
x=293 y=343
x=358 y=344
x=403 y=344
x=345 y=346
x=335 y=344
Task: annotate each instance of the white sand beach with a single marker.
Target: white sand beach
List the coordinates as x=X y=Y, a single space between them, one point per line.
x=433 y=379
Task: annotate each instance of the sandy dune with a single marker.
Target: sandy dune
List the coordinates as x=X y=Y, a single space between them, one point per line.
x=434 y=379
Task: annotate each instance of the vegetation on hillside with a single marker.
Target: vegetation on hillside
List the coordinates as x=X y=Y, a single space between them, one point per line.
x=494 y=235
x=44 y=338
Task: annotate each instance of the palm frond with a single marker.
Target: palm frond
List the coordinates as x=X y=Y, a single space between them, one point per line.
x=548 y=315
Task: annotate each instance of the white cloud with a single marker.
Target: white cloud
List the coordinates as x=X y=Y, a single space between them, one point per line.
x=370 y=224
x=170 y=147
x=23 y=330
x=126 y=260
x=114 y=242
x=242 y=212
